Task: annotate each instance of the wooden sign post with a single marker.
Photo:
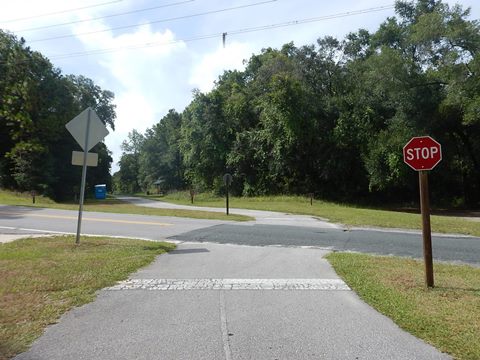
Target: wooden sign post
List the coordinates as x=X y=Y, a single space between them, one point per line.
x=426 y=228
x=227 y=180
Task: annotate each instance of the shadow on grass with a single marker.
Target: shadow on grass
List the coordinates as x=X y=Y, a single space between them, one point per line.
x=108 y=201
x=157 y=247
x=188 y=251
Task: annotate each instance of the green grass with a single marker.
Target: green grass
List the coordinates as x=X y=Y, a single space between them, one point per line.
x=447 y=316
x=15 y=198
x=42 y=278
x=338 y=213
x=113 y=205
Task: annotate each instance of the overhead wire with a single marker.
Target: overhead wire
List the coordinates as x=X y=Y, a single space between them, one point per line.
x=105 y=16
x=309 y=20
x=214 y=35
x=231 y=32
x=155 y=21
x=59 y=12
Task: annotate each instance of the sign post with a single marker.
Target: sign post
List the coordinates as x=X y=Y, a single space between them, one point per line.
x=84 y=177
x=426 y=228
x=227 y=179
x=87 y=129
x=423 y=154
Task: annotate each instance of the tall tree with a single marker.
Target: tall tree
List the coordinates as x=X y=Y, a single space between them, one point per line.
x=129 y=173
x=36 y=101
x=161 y=158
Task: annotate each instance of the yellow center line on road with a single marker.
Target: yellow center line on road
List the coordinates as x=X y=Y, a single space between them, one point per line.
x=88 y=219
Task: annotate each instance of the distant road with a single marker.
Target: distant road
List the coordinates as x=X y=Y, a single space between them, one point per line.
x=27 y=220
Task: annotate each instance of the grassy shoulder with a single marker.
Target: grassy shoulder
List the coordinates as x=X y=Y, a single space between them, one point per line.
x=113 y=205
x=337 y=213
x=42 y=278
x=446 y=316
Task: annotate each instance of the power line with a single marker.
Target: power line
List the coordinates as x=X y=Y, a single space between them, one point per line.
x=232 y=32
x=309 y=20
x=105 y=17
x=133 y=47
x=156 y=21
x=61 y=11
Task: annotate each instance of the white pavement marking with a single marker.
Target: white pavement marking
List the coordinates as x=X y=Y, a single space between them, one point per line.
x=36 y=230
x=231 y=284
x=47 y=232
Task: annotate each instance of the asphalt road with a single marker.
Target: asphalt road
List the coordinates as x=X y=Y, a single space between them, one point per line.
x=29 y=220
x=34 y=220
x=445 y=248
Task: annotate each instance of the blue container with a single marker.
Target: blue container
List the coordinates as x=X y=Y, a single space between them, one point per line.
x=100 y=191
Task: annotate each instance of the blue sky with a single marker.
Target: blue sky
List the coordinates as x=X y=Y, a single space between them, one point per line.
x=156 y=61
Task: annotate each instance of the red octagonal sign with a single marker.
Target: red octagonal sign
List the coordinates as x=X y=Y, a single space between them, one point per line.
x=422 y=153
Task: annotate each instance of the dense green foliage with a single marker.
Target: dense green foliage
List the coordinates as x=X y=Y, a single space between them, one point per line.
x=36 y=101
x=332 y=118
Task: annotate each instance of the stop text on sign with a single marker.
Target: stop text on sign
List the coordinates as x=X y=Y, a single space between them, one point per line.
x=422 y=153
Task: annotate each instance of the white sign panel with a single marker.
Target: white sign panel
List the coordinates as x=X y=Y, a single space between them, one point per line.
x=77 y=158
x=78 y=128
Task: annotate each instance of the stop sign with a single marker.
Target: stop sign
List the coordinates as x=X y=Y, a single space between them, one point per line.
x=422 y=153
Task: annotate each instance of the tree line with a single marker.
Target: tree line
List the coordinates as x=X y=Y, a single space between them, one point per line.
x=36 y=101
x=331 y=118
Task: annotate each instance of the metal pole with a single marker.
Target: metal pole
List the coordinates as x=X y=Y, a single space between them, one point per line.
x=84 y=177
x=426 y=228
x=227 y=197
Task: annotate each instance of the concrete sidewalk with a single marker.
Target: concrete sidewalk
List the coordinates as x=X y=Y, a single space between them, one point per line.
x=210 y=301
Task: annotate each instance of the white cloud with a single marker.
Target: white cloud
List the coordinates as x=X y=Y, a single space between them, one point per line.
x=134 y=111
x=211 y=65
x=148 y=77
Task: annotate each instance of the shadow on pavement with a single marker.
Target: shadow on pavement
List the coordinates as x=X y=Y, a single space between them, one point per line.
x=9 y=212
